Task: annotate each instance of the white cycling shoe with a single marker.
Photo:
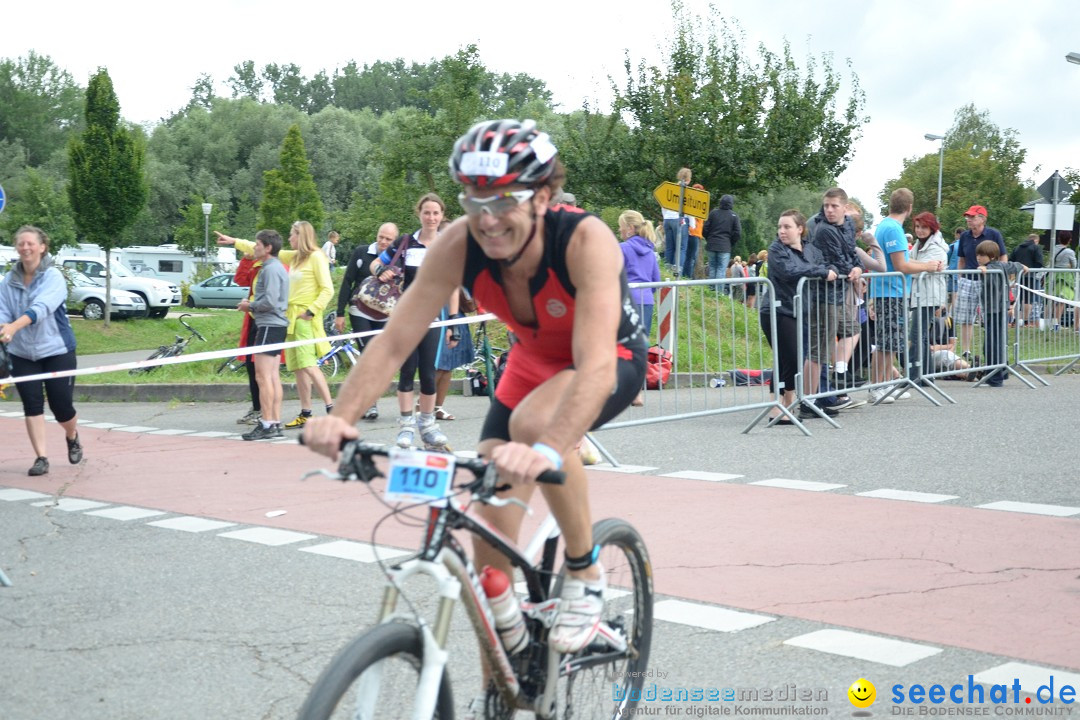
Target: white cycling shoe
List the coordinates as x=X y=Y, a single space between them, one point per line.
x=579 y=613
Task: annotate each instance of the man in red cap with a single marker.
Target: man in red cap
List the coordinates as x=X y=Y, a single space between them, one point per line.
x=968 y=290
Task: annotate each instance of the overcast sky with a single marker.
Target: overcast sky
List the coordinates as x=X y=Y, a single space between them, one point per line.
x=917 y=61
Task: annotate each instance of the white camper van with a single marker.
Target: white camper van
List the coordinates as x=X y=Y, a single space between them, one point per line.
x=169 y=262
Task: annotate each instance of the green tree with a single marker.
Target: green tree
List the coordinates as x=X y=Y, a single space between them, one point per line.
x=107 y=187
x=739 y=123
x=289 y=192
x=40 y=105
x=980 y=166
x=39 y=200
x=246 y=83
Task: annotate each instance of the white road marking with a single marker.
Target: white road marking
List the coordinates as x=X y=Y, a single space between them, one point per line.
x=709 y=617
x=907 y=495
x=360 y=552
x=14 y=494
x=191 y=524
x=1032 y=508
x=211 y=434
x=135 y=429
x=126 y=512
x=105 y=425
x=70 y=504
x=798 y=485
x=267 y=536
x=698 y=475
x=607 y=467
x=872 y=648
x=170 y=432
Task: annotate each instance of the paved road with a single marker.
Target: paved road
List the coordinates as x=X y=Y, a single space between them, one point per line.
x=767 y=553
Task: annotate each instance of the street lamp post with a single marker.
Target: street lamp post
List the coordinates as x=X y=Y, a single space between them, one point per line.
x=941 y=163
x=206 y=208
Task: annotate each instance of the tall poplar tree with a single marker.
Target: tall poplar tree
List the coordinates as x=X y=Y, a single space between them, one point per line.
x=107 y=186
x=289 y=192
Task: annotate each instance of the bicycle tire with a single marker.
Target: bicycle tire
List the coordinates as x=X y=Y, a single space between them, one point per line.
x=161 y=352
x=586 y=691
x=386 y=643
x=330 y=365
x=228 y=363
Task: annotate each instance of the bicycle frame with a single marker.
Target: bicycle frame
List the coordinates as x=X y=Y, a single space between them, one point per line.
x=445 y=560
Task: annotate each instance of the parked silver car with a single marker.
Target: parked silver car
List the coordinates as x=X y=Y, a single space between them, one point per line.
x=87 y=297
x=218 y=291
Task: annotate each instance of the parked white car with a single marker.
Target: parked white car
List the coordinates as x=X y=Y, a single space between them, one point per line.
x=87 y=297
x=159 y=295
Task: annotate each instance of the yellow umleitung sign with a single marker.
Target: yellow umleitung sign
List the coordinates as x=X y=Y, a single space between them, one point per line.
x=695 y=202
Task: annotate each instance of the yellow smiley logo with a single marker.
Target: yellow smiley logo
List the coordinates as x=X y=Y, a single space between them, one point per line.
x=862 y=693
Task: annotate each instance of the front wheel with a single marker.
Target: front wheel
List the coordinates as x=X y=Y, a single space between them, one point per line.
x=93 y=310
x=598 y=682
x=329 y=365
x=158 y=313
x=375 y=676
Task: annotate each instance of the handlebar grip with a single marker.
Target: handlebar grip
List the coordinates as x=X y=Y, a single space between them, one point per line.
x=552 y=477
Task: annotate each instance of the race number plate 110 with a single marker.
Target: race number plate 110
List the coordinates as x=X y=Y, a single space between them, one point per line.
x=419 y=476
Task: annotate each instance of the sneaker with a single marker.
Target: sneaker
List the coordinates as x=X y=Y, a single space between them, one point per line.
x=904 y=396
x=277 y=431
x=807 y=413
x=261 y=432
x=299 y=422
x=74 y=450
x=580 y=607
x=40 y=467
x=406 y=431
x=250 y=418
x=372 y=413
x=882 y=395
x=843 y=402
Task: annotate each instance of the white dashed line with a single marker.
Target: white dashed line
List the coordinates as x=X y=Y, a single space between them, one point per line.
x=1031 y=677
x=360 y=552
x=709 y=617
x=15 y=494
x=211 y=434
x=105 y=425
x=907 y=495
x=607 y=467
x=170 y=432
x=12 y=414
x=191 y=524
x=135 y=429
x=1032 y=508
x=267 y=536
x=70 y=504
x=125 y=512
x=798 y=485
x=698 y=475
x=872 y=648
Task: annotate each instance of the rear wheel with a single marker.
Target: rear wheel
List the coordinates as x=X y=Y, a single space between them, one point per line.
x=585 y=682
x=93 y=310
x=329 y=365
x=190 y=302
x=375 y=676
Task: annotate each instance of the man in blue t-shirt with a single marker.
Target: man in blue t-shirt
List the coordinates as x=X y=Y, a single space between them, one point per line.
x=968 y=291
x=887 y=293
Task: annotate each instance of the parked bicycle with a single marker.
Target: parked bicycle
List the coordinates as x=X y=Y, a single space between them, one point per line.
x=341 y=351
x=177 y=348
x=402 y=661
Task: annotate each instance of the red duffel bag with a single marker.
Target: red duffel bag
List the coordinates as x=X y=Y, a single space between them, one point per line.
x=658 y=369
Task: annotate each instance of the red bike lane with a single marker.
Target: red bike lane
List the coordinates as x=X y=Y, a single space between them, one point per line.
x=994 y=582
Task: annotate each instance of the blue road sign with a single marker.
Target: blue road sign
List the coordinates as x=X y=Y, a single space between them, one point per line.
x=3 y=198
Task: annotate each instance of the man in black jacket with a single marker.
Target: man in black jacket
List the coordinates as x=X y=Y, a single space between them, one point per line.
x=722 y=232
x=1029 y=254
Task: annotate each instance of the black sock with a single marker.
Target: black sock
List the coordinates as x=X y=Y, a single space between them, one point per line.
x=305 y=413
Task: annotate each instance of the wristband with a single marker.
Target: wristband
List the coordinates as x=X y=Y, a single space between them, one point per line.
x=550 y=453
x=379 y=267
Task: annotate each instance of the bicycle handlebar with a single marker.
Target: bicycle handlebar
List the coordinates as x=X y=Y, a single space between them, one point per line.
x=357 y=464
x=194 y=332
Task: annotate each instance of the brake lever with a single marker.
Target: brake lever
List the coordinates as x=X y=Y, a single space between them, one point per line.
x=502 y=502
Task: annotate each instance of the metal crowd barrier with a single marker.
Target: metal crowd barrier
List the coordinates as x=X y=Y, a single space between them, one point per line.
x=719 y=359
x=1050 y=334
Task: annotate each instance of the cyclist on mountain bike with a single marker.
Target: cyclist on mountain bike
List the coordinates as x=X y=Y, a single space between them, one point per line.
x=557 y=277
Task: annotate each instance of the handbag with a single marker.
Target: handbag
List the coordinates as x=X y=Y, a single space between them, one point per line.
x=377 y=298
x=658 y=369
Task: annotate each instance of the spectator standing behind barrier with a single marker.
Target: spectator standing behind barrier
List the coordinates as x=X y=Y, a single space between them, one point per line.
x=329 y=248
x=995 y=304
x=1064 y=285
x=833 y=234
x=1029 y=254
x=722 y=231
x=430 y=209
x=310 y=290
x=694 y=243
x=356 y=271
x=35 y=329
x=952 y=282
x=676 y=229
x=789 y=260
x=268 y=307
x=639 y=258
x=928 y=293
x=967 y=304
x=887 y=293
x=246 y=272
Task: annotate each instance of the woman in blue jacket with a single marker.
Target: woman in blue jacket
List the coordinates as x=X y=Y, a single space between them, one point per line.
x=35 y=328
x=639 y=258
